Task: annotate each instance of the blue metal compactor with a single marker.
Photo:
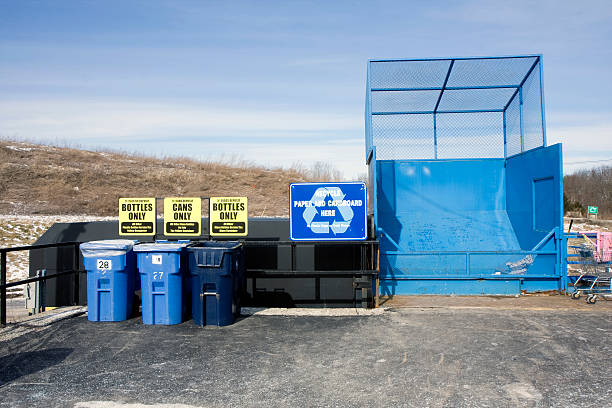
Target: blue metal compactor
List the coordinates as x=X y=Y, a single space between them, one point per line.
x=465 y=194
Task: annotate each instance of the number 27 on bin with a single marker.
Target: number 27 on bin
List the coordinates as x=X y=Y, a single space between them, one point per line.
x=158 y=275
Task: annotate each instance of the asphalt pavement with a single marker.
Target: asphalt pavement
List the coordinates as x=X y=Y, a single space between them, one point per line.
x=413 y=356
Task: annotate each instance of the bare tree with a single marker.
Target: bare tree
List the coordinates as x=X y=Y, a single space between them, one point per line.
x=324 y=171
x=591 y=187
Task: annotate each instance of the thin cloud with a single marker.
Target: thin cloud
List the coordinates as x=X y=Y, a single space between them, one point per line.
x=85 y=119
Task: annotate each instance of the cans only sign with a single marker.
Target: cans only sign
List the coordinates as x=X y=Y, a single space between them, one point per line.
x=137 y=216
x=327 y=211
x=182 y=216
x=229 y=216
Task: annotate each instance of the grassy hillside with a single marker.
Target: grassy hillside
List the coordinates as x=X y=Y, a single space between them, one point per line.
x=39 y=179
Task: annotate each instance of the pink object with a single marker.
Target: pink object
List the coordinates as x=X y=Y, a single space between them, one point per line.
x=603 y=244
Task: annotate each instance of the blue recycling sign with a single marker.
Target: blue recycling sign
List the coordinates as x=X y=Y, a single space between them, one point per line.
x=327 y=211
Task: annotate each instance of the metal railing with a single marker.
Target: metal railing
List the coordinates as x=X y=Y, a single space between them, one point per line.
x=368 y=267
x=4 y=285
x=508 y=274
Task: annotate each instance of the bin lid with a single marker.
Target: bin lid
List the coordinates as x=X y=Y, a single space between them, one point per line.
x=118 y=244
x=160 y=247
x=230 y=245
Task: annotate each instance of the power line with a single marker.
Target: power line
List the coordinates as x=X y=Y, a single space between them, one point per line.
x=590 y=161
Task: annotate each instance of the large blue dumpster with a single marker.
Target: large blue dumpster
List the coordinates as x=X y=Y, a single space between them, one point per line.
x=466 y=195
x=217 y=278
x=111 y=279
x=162 y=273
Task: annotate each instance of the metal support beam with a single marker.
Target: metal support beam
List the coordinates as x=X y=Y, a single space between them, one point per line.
x=457 y=58
x=450 y=68
x=542 y=107
x=522 y=82
x=435 y=129
x=431 y=112
x=449 y=88
x=505 y=140
x=521 y=120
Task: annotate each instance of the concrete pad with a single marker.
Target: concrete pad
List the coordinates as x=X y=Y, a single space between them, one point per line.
x=522 y=302
x=320 y=312
x=52 y=316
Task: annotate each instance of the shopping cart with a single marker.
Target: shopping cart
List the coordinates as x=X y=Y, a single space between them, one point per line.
x=595 y=279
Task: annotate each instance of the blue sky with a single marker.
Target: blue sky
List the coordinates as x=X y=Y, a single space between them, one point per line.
x=276 y=82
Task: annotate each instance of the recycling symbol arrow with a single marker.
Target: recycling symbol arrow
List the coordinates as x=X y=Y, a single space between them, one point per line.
x=323 y=227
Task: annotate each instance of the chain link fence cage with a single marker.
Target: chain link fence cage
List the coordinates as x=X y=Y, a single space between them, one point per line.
x=454 y=108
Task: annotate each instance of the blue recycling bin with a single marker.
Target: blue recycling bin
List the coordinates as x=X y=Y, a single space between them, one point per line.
x=111 y=279
x=217 y=279
x=162 y=268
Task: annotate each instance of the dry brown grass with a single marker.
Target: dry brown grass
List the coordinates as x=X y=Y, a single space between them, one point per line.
x=40 y=179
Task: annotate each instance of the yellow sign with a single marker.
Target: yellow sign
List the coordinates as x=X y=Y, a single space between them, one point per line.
x=229 y=216
x=137 y=216
x=183 y=216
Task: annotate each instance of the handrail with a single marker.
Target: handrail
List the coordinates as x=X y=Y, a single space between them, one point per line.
x=38 y=246
x=39 y=278
x=3 y=271
x=368 y=267
x=309 y=273
x=276 y=243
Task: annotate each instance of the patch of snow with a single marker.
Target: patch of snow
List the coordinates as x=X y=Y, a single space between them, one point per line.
x=21 y=149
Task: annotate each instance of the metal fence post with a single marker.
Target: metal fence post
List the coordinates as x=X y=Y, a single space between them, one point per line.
x=3 y=291
x=77 y=276
x=37 y=294
x=292 y=257
x=42 y=291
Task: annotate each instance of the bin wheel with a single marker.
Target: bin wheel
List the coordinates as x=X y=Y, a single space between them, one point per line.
x=575 y=295
x=591 y=299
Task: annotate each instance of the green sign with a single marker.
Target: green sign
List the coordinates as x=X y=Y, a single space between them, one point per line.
x=592 y=209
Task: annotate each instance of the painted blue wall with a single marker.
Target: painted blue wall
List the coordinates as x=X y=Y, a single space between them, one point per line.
x=445 y=205
x=461 y=208
x=535 y=194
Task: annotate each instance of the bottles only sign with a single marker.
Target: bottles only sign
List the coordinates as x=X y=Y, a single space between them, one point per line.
x=137 y=216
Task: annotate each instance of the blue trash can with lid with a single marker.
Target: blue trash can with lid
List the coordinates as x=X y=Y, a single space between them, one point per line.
x=217 y=274
x=162 y=268
x=111 y=279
